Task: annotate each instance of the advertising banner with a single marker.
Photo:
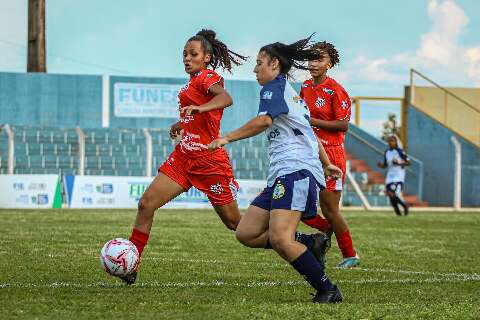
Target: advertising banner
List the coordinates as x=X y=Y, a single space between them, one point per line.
x=124 y=192
x=30 y=191
x=145 y=100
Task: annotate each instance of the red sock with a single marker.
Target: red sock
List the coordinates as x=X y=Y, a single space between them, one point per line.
x=318 y=222
x=345 y=244
x=139 y=239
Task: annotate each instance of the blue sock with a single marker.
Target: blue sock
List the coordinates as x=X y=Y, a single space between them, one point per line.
x=312 y=271
x=305 y=239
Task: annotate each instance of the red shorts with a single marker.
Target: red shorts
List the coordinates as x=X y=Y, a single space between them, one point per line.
x=212 y=175
x=337 y=157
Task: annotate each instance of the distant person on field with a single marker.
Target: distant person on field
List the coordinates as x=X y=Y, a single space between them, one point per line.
x=395 y=160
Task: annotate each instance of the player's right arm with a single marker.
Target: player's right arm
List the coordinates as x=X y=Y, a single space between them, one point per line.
x=175 y=130
x=329 y=169
x=249 y=129
x=383 y=164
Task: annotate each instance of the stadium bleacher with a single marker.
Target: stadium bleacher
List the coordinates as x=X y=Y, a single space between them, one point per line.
x=123 y=152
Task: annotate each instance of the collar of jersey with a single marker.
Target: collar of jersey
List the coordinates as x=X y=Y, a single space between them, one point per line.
x=197 y=73
x=321 y=83
x=280 y=77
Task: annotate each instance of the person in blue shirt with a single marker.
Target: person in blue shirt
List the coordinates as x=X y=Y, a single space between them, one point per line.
x=395 y=160
x=295 y=174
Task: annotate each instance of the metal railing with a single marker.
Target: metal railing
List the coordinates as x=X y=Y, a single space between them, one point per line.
x=11 y=148
x=417 y=163
x=403 y=113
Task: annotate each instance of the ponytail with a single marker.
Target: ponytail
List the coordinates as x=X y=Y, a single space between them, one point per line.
x=292 y=55
x=221 y=55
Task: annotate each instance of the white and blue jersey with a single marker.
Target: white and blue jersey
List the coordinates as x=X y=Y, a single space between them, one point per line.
x=395 y=173
x=293 y=145
x=295 y=175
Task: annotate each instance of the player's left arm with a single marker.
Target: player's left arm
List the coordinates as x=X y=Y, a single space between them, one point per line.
x=329 y=169
x=249 y=129
x=221 y=99
x=335 y=125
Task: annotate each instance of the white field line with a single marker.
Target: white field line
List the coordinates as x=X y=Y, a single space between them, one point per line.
x=285 y=265
x=220 y=283
x=273 y=264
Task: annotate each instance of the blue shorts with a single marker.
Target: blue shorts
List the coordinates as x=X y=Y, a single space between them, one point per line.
x=295 y=191
x=395 y=187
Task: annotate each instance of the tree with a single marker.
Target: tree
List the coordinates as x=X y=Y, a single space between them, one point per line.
x=390 y=127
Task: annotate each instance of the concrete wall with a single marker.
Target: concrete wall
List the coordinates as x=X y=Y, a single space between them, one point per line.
x=430 y=142
x=450 y=111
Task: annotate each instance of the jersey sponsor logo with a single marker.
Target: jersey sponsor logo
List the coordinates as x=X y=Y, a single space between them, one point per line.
x=273 y=134
x=185 y=87
x=329 y=91
x=216 y=188
x=187 y=119
x=233 y=189
x=320 y=102
x=267 y=95
x=191 y=142
x=278 y=191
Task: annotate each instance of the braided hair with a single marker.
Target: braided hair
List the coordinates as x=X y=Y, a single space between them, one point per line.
x=221 y=55
x=328 y=48
x=292 y=55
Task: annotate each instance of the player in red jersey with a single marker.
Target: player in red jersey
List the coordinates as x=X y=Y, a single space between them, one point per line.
x=201 y=104
x=330 y=109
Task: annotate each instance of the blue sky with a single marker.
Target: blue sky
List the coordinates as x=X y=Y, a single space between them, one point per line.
x=378 y=40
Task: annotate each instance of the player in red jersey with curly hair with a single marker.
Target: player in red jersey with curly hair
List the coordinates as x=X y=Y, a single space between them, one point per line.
x=201 y=104
x=330 y=109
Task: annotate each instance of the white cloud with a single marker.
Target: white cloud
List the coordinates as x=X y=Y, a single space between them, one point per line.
x=13 y=30
x=439 y=54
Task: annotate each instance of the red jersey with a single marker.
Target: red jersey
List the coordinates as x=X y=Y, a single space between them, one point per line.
x=327 y=101
x=199 y=129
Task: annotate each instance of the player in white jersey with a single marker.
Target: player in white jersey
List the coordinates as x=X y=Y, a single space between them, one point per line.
x=395 y=160
x=295 y=174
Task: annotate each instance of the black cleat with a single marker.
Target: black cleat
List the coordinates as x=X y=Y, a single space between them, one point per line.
x=321 y=246
x=129 y=278
x=332 y=296
x=407 y=211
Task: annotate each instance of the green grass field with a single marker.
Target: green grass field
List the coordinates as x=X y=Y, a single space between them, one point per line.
x=425 y=266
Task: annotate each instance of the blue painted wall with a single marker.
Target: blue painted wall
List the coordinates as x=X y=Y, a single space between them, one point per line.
x=50 y=99
x=430 y=141
x=71 y=100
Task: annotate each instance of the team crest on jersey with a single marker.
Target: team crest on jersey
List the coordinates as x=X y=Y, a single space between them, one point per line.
x=320 y=102
x=329 y=91
x=267 y=95
x=278 y=191
x=345 y=104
